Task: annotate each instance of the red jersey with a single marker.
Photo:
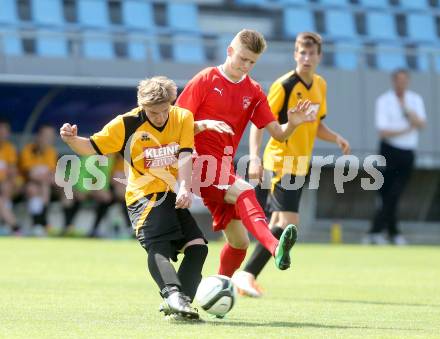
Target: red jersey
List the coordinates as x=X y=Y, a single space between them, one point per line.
x=211 y=95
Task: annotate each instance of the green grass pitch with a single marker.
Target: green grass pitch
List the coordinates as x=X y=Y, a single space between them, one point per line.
x=58 y=288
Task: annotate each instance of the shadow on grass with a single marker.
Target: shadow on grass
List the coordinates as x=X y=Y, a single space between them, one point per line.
x=369 y=302
x=281 y=324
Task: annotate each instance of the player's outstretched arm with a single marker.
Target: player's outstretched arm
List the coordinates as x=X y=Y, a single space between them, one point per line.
x=212 y=125
x=80 y=145
x=326 y=134
x=297 y=115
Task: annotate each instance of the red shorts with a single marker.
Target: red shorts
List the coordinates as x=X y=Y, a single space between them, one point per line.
x=211 y=179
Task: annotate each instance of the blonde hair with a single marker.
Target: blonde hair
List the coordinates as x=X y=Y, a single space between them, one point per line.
x=308 y=39
x=251 y=40
x=156 y=90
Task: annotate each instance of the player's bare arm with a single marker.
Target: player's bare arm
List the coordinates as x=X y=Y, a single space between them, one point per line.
x=255 y=139
x=212 y=125
x=184 y=195
x=296 y=116
x=80 y=145
x=326 y=134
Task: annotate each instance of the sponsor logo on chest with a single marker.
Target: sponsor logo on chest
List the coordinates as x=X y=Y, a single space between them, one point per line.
x=160 y=156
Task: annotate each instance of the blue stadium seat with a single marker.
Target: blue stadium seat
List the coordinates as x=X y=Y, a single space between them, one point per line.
x=8 y=12
x=93 y=13
x=414 y=4
x=41 y=8
x=136 y=50
x=390 y=57
x=49 y=44
x=346 y=56
x=138 y=15
x=340 y=24
x=421 y=27
x=381 y=26
x=427 y=56
x=143 y=49
x=11 y=43
x=97 y=46
x=188 y=49
x=297 y=20
x=339 y=3
x=423 y=60
x=375 y=3
x=183 y=17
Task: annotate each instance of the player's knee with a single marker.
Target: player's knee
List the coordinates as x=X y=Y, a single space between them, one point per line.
x=241 y=243
x=199 y=242
x=237 y=190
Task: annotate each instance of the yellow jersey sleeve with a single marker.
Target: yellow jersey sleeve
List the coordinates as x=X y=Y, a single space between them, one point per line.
x=187 y=136
x=275 y=97
x=111 y=138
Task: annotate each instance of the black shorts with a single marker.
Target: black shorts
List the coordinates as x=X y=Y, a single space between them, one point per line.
x=284 y=200
x=156 y=219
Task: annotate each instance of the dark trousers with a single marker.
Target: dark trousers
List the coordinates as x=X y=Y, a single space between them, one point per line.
x=396 y=176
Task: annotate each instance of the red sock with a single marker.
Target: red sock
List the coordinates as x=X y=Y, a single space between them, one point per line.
x=254 y=219
x=230 y=260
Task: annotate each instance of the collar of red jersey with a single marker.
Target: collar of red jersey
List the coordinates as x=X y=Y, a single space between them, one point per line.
x=222 y=72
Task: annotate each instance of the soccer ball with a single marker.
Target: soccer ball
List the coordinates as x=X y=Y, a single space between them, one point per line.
x=216 y=295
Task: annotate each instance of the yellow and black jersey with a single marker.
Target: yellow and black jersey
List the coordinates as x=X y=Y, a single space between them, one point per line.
x=293 y=155
x=8 y=157
x=33 y=157
x=151 y=151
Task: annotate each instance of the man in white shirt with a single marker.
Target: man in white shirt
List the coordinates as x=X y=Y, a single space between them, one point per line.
x=400 y=114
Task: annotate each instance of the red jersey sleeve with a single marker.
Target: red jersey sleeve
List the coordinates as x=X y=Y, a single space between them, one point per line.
x=192 y=95
x=262 y=115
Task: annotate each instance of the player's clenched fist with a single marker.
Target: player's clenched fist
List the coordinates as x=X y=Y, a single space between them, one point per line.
x=68 y=131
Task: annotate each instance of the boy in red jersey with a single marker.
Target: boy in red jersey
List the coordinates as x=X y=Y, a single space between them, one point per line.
x=282 y=160
x=223 y=100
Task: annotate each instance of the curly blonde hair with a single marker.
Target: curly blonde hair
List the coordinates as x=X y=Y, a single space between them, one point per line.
x=156 y=90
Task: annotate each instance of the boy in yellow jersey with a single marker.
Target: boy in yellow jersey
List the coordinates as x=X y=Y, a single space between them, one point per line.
x=156 y=140
x=289 y=160
x=8 y=172
x=38 y=161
